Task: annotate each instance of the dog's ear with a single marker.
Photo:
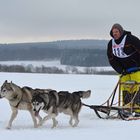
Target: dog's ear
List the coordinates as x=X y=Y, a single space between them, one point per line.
x=11 y=82
x=6 y=81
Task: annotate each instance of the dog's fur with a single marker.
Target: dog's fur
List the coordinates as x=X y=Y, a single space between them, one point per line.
x=19 y=99
x=53 y=103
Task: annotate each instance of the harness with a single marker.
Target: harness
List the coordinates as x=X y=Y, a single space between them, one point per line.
x=14 y=99
x=19 y=101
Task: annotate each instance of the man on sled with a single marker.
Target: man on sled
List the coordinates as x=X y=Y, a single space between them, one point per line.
x=124 y=56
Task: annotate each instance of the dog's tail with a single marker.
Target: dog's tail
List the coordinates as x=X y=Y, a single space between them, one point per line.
x=55 y=93
x=83 y=94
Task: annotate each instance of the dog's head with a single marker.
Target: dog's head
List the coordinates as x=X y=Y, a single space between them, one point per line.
x=37 y=103
x=6 y=90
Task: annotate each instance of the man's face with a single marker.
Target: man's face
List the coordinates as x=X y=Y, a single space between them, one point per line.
x=116 y=33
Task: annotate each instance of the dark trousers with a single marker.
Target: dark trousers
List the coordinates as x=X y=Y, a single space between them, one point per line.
x=127 y=97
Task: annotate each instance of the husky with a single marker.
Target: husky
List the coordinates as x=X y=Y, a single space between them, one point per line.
x=54 y=103
x=47 y=101
x=19 y=99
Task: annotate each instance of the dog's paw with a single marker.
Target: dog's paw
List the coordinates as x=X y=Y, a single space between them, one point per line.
x=55 y=124
x=74 y=125
x=40 y=124
x=35 y=126
x=8 y=127
x=70 y=122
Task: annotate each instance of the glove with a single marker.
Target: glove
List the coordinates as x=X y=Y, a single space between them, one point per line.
x=130 y=70
x=133 y=69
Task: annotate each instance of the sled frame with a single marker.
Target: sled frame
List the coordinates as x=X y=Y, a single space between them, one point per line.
x=123 y=112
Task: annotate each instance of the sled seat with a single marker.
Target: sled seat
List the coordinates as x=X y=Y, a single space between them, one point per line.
x=129 y=94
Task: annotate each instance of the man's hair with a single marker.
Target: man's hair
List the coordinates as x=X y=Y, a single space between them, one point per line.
x=117 y=26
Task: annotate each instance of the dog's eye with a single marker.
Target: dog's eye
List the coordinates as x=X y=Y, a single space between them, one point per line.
x=37 y=103
x=4 y=90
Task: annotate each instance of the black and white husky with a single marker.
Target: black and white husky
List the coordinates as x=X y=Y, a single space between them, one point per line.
x=56 y=102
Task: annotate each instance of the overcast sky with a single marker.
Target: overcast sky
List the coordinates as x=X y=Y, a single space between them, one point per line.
x=47 y=20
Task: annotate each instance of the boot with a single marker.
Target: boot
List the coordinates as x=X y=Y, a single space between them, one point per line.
x=127 y=97
x=137 y=98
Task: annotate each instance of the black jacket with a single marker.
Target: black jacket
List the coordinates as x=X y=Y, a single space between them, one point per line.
x=132 y=45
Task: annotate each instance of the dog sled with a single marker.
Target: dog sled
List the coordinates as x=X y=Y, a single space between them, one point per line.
x=117 y=107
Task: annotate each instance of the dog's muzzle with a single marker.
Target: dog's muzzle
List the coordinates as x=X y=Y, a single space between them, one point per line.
x=36 y=112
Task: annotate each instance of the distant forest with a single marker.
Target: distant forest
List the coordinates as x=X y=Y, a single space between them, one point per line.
x=70 y=52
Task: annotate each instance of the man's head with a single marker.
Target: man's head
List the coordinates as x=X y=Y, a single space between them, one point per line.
x=116 y=31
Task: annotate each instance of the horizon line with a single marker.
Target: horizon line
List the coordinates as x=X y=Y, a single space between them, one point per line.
x=22 y=42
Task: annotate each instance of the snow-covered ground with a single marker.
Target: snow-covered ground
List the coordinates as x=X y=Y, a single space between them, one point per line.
x=90 y=127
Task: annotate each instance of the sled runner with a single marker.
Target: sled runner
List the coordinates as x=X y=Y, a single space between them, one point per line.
x=123 y=103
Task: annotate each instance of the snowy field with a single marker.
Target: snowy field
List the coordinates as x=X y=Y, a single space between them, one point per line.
x=90 y=127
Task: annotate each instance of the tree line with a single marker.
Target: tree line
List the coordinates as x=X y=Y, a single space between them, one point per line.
x=76 y=52
x=52 y=70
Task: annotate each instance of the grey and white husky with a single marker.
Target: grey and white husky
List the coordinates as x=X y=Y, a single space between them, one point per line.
x=56 y=102
x=19 y=99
